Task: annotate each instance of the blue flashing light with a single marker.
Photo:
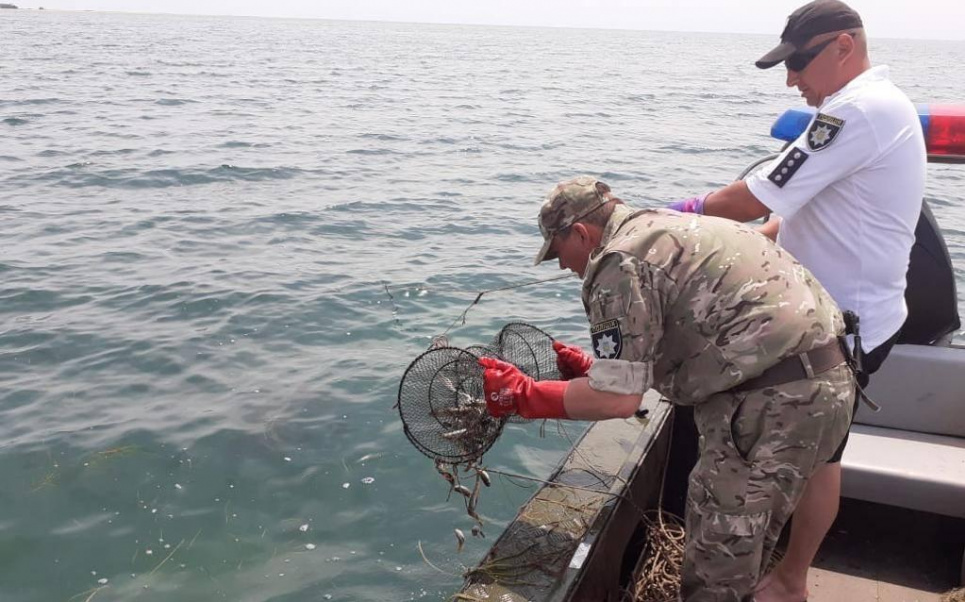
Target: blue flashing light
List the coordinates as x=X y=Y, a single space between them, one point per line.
x=792 y=124
x=924 y=116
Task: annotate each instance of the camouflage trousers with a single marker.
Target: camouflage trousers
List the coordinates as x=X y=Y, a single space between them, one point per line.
x=757 y=451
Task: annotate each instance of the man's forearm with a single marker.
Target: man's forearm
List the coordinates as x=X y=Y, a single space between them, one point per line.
x=735 y=201
x=585 y=403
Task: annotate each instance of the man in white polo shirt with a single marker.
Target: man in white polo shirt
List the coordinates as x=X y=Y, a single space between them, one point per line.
x=848 y=192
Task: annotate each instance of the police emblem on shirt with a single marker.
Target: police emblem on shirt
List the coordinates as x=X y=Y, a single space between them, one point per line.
x=824 y=129
x=607 y=340
x=785 y=170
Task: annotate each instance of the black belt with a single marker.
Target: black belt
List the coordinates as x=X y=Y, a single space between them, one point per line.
x=797 y=367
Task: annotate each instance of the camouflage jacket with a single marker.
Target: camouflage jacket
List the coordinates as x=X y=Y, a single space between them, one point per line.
x=693 y=305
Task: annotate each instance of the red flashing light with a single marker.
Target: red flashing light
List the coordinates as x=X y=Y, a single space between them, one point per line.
x=946 y=131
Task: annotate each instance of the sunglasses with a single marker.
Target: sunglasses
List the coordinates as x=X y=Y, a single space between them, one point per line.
x=802 y=58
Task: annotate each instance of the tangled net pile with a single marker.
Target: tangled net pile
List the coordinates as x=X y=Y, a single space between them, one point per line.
x=955 y=595
x=658 y=575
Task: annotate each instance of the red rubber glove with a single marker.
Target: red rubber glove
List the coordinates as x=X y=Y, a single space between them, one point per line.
x=571 y=360
x=509 y=391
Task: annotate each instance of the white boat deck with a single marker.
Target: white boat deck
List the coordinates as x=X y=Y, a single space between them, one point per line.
x=829 y=586
x=887 y=554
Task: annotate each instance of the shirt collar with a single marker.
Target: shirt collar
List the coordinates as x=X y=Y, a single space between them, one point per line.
x=874 y=74
x=621 y=213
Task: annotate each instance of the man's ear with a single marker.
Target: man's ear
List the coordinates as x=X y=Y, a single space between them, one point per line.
x=845 y=45
x=581 y=230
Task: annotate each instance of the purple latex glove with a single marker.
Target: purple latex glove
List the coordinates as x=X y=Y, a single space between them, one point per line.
x=694 y=205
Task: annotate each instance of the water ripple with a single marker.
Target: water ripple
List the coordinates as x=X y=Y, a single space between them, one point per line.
x=76 y=175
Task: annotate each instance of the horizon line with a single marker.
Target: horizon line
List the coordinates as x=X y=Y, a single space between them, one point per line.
x=448 y=23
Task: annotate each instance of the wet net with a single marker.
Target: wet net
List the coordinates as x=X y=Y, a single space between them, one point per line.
x=441 y=400
x=529 y=348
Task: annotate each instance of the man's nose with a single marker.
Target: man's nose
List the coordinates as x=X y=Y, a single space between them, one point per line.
x=792 y=78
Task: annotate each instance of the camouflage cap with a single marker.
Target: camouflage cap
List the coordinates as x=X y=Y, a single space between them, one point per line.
x=567 y=203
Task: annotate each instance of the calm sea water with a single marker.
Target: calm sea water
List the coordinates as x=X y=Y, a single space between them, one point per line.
x=223 y=240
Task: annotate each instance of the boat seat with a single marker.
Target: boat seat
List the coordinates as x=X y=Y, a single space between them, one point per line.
x=919 y=388
x=907 y=469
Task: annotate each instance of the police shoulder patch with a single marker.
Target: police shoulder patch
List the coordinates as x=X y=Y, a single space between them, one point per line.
x=788 y=166
x=824 y=129
x=607 y=339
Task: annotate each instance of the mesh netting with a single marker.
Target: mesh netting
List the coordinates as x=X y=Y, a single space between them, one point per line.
x=484 y=351
x=529 y=348
x=442 y=406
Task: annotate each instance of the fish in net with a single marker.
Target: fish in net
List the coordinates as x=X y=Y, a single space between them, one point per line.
x=442 y=406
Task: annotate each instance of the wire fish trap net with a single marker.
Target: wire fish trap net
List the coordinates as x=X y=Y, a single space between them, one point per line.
x=441 y=400
x=442 y=406
x=529 y=349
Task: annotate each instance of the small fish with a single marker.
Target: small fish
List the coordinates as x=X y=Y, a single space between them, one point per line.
x=477 y=532
x=463 y=490
x=461 y=539
x=473 y=499
x=475 y=516
x=467 y=400
x=442 y=470
x=449 y=477
x=367 y=457
x=484 y=476
x=455 y=434
x=460 y=410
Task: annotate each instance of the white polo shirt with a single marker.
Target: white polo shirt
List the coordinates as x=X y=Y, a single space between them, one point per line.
x=849 y=190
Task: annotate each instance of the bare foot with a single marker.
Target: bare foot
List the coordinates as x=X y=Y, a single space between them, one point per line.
x=774 y=588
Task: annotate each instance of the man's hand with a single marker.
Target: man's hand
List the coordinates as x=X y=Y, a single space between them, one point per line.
x=508 y=391
x=770 y=228
x=571 y=361
x=691 y=205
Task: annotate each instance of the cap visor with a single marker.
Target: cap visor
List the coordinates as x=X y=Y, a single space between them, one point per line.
x=544 y=251
x=780 y=52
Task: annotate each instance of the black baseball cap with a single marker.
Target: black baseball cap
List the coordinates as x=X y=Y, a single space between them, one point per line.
x=814 y=18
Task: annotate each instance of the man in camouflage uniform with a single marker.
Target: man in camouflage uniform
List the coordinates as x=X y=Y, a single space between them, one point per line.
x=712 y=314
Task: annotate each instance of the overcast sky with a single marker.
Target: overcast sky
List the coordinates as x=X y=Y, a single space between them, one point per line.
x=940 y=19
